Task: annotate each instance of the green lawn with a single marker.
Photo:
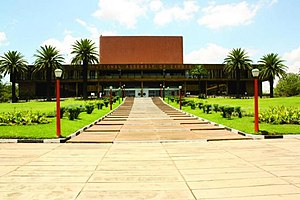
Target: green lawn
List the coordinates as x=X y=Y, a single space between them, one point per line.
x=43 y=131
x=246 y=124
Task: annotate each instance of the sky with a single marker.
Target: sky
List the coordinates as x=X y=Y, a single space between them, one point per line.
x=210 y=29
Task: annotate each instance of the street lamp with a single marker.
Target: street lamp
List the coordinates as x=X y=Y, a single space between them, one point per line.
x=58 y=73
x=110 y=97
x=180 y=103
x=163 y=92
x=168 y=89
x=160 y=92
x=119 y=94
x=124 y=93
x=255 y=74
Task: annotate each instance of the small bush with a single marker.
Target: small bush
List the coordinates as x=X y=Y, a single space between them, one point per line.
x=99 y=104
x=222 y=109
x=238 y=110
x=74 y=111
x=62 y=111
x=216 y=107
x=23 y=118
x=229 y=110
x=89 y=108
x=192 y=105
x=207 y=108
x=200 y=105
x=280 y=115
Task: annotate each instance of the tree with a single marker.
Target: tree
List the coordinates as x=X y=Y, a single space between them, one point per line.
x=289 y=85
x=12 y=63
x=235 y=62
x=198 y=71
x=272 y=66
x=48 y=58
x=85 y=53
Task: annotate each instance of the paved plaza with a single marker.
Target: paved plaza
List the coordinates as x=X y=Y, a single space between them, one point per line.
x=243 y=169
x=157 y=165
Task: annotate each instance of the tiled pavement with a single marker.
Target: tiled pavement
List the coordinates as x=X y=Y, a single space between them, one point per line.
x=138 y=165
x=230 y=170
x=150 y=120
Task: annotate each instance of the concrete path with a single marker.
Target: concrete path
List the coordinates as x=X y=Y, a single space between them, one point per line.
x=149 y=119
x=227 y=170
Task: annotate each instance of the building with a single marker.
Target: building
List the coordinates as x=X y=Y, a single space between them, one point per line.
x=141 y=65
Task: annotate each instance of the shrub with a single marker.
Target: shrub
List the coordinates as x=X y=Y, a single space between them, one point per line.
x=23 y=118
x=280 y=115
x=62 y=111
x=171 y=98
x=99 y=104
x=89 y=108
x=74 y=111
x=184 y=102
x=229 y=110
x=207 y=108
x=238 y=110
x=192 y=104
x=106 y=102
x=216 y=107
x=222 y=109
x=200 y=105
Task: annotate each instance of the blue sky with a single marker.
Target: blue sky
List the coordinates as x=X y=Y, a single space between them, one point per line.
x=210 y=29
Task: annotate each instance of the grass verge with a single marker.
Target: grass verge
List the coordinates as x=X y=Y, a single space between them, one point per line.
x=48 y=131
x=246 y=124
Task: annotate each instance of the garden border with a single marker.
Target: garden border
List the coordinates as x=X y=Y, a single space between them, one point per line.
x=59 y=140
x=254 y=137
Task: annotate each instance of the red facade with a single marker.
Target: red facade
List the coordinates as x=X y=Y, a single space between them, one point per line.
x=141 y=50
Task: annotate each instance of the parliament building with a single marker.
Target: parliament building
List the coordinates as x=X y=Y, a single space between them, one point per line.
x=142 y=66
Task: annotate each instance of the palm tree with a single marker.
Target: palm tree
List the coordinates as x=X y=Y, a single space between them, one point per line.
x=271 y=66
x=235 y=62
x=48 y=58
x=85 y=53
x=198 y=71
x=12 y=63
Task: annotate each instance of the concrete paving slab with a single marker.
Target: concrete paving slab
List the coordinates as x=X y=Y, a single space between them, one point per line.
x=181 y=170
x=111 y=128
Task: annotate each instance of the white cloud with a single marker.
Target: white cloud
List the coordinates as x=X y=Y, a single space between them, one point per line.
x=211 y=54
x=218 y=16
x=155 y=5
x=124 y=12
x=292 y=59
x=64 y=46
x=177 y=13
x=3 y=39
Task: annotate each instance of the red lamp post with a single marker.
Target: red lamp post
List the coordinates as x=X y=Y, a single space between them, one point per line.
x=160 y=92
x=110 y=97
x=255 y=74
x=58 y=73
x=180 y=98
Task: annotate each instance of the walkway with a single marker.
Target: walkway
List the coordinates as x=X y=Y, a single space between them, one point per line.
x=146 y=119
x=227 y=170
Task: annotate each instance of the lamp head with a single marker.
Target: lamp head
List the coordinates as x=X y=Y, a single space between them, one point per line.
x=180 y=87
x=110 y=87
x=58 y=73
x=255 y=72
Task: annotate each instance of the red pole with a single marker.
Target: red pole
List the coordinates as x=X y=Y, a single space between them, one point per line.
x=58 y=131
x=256 y=128
x=110 y=99
x=180 y=103
x=160 y=93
